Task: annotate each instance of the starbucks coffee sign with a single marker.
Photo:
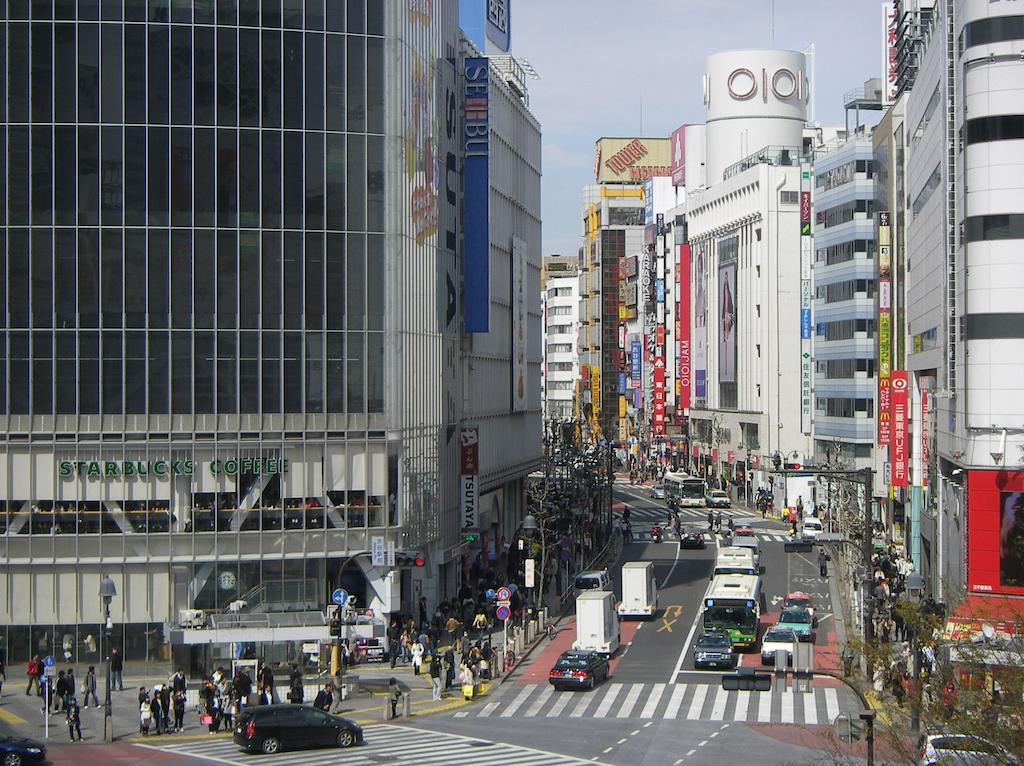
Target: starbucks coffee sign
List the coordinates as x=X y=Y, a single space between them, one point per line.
x=102 y=469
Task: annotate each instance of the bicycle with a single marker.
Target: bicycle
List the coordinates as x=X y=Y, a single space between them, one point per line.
x=552 y=632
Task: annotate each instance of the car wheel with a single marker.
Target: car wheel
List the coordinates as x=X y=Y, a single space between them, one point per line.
x=346 y=738
x=270 y=745
x=12 y=759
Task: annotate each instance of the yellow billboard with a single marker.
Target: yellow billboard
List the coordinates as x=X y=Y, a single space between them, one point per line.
x=632 y=160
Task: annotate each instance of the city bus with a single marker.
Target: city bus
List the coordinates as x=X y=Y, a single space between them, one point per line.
x=735 y=560
x=733 y=604
x=683 y=490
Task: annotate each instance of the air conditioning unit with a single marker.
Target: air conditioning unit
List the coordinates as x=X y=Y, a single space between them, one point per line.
x=192 y=618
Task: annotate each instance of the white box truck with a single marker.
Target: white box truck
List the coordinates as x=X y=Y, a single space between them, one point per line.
x=597 y=624
x=639 y=590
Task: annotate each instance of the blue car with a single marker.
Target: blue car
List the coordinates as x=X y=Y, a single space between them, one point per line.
x=15 y=751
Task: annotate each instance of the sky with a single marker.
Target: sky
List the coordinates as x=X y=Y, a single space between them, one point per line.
x=600 y=60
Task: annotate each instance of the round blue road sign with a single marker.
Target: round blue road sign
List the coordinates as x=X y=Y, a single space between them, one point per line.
x=340 y=596
x=502 y=612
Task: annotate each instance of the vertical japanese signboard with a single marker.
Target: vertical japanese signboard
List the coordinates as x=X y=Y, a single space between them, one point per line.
x=469 y=469
x=921 y=479
x=898 y=449
x=884 y=329
x=806 y=244
x=476 y=208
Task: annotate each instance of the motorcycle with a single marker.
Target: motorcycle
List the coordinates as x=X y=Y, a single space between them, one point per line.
x=656 y=533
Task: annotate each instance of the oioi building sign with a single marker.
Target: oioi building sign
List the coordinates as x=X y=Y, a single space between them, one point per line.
x=106 y=469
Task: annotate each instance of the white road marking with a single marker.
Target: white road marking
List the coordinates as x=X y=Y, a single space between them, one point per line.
x=515 y=704
x=718 y=709
x=560 y=703
x=621 y=741
x=668 y=577
x=461 y=714
x=539 y=702
x=609 y=698
x=831 y=703
x=764 y=707
x=488 y=709
x=788 y=705
x=630 y=702
x=678 y=691
x=697 y=703
x=608 y=749
x=810 y=708
x=691 y=752
x=715 y=734
x=652 y=702
x=742 y=703
x=581 y=706
x=649 y=723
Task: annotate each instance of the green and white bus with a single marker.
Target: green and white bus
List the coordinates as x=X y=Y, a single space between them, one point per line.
x=683 y=490
x=733 y=604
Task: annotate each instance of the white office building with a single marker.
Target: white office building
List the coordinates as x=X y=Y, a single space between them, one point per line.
x=560 y=300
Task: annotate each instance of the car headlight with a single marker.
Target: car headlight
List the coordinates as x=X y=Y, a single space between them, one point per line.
x=34 y=749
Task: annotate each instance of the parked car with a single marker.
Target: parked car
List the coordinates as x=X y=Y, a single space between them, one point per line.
x=777 y=637
x=800 y=620
x=937 y=749
x=811 y=529
x=15 y=751
x=692 y=537
x=270 y=729
x=658 y=491
x=799 y=600
x=717 y=498
x=578 y=670
x=714 y=650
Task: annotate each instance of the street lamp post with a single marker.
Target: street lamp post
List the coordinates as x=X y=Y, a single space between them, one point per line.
x=107 y=592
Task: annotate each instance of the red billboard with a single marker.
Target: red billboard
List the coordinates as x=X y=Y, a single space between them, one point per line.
x=899 y=448
x=658 y=409
x=678 y=156
x=683 y=327
x=995 y=532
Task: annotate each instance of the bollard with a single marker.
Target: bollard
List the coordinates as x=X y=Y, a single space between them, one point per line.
x=407 y=704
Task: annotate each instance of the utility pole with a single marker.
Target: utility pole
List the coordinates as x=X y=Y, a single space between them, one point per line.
x=866 y=542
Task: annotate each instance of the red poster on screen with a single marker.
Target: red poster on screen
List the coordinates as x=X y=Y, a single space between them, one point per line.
x=898 y=448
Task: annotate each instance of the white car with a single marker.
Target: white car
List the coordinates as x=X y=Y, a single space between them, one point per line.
x=933 y=749
x=812 y=529
x=777 y=637
x=658 y=491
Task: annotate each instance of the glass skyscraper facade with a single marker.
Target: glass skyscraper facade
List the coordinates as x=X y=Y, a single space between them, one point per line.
x=192 y=356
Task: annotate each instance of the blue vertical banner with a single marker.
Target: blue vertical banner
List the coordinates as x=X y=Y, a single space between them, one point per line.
x=476 y=146
x=636 y=371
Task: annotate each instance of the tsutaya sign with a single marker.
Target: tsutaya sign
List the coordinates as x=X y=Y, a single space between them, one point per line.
x=95 y=469
x=632 y=160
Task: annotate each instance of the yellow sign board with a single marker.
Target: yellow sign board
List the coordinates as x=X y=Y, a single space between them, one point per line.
x=632 y=160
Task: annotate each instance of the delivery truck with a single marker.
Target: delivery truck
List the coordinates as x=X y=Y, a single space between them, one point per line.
x=597 y=624
x=639 y=590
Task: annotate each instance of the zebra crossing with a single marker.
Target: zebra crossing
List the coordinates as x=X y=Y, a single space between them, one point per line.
x=384 y=744
x=691 y=702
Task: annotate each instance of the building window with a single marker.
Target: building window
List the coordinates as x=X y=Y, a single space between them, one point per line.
x=927 y=190
x=989 y=228
x=1003 y=127
x=789 y=198
x=997 y=29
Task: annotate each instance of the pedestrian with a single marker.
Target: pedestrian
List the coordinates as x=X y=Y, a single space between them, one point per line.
x=417 y=656
x=178 y=681
x=145 y=717
x=34 y=669
x=70 y=680
x=449 y=667
x=74 y=719
x=3 y=677
x=60 y=689
x=792 y=519
x=267 y=684
x=394 y=696
x=435 y=677
x=243 y=688
x=324 y=697
x=179 y=710
x=89 y=687
x=165 y=707
x=116 y=669
x=296 y=692
x=423 y=611
x=711 y=521
x=156 y=710
x=823 y=562
x=800 y=507
x=718 y=521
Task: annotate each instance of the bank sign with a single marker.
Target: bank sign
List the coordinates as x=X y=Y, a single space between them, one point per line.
x=107 y=469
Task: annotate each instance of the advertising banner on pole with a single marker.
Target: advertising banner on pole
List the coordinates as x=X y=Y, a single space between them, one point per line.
x=476 y=208
x=898 y=449
x=884 y=330
x=469 y=469
x=683 y=383
x=806 y=254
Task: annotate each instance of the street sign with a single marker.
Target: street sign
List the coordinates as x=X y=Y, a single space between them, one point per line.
x=391 y=553
x=504 y=594
x=377 y=551
x=340 y=596
x=528 y=572
x=503 y=612
x=49 y=671
x=49 y=661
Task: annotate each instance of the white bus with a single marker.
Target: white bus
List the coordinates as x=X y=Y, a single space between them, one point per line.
x=683 y=490
x=733 y=604
x=735 y=560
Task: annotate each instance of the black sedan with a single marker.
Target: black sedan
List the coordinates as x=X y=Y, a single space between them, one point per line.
x=272 y=728
x=713 y=650
x=692 y=537
x=578 y=670
x=15 y=751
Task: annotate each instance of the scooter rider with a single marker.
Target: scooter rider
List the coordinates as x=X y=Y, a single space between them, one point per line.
x=656 y=533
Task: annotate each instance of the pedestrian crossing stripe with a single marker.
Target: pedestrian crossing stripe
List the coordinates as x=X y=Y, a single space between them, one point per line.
x=692 y=702
x=384 y=743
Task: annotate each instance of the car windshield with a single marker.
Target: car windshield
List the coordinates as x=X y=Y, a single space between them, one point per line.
x=716 y=640
x=968 y=744
x=778 y=635
x=574 y=663
x=798 y=601
x=795 y=615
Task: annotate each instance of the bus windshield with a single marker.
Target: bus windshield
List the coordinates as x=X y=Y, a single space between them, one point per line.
x=738 y=618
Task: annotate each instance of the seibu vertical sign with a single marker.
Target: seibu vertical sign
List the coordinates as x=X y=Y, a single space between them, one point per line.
x=469 y=470
x=683 y=329
x=898 y=448
x=476 y=208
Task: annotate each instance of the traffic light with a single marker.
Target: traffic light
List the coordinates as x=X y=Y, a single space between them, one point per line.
x=747 y=680
x=335 y=624
x=409 y=559
x=798 y=546
x=777 y=461
x=792 y=466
